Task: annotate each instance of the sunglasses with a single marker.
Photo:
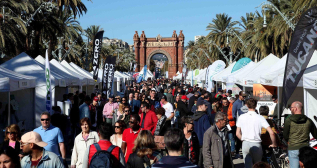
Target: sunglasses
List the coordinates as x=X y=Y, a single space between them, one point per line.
x=45 y=119
x=23 y=144
x=11 y=133
x=117 y=126
x=131 y=122
x=127 y=111
x=191 y=123
x=123 y=100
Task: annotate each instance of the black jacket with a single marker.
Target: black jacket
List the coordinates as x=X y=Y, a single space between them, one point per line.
x=191 y=101
x=17 y=149
x=183 y=109
x=196 y=147
x=135 y=161
x=166 y=124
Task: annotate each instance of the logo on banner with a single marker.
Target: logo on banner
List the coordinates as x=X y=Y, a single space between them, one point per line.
x=48 y=93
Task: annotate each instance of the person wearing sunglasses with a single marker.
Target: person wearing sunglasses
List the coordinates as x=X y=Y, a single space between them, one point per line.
x=130 y=134
x=191 y=142
x=12 y=138
x=116 y=138
x=52 y=135
x=126 y=115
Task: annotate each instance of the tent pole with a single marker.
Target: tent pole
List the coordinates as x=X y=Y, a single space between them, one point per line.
x=9 y=109
x=278 y=107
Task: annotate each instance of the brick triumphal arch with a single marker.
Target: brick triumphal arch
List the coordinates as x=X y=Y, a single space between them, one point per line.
x=171 y=47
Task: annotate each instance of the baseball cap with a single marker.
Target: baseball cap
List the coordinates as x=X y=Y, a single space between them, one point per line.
x=242 y=93
x=111 y=96
x=201 y=101
x=96 y=98
x=33 y=137
x=164 y=97
x=184 y=97
x=230 y=91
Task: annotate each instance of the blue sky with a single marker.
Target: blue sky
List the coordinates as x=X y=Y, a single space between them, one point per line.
x=121 y=18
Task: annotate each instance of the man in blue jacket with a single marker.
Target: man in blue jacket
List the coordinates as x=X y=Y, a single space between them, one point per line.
x=201 y=124
x=237 y=110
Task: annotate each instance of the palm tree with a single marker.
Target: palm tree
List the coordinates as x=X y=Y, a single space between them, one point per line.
x=77 y=7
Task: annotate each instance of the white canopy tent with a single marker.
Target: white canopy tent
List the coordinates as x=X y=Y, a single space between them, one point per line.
x=83 y=80
x=225 y=72
x=70 y=79
x=148 y=74
x=21 y=87
x=90 y=81
x=230 y=78
x=202 y=75
x=253 y=75
x=178 y=77
x=26 y=65
x=310 y=92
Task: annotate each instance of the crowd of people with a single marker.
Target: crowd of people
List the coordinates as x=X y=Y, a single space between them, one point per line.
x=159 y=123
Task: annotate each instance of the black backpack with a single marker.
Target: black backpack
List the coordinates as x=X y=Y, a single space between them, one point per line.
x=101 y=158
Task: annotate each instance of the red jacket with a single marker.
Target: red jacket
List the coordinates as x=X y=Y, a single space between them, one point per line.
x=150 y=121
x=104 y=145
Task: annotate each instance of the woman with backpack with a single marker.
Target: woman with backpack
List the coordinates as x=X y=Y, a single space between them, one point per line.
x=145 y=152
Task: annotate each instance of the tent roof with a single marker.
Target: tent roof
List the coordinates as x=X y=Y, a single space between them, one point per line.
x=26 y=65
x=253 y=75
x=230 y=78
x=83 y=80
x=84 y=72
x=73 y=70
x=225 y=72
x=13 y=81
x=71 y=80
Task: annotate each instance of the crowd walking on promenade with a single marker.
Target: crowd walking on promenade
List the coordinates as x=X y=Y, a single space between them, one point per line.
x=161 y=123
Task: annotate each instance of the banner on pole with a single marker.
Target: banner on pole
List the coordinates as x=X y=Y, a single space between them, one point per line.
x=108 y=74
x=213 y=69
x=97 y=44
x=301 y=49
x=48 y=98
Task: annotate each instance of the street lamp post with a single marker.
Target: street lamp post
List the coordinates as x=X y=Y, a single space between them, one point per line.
x=200 y=49
x=267 y=4
x=198 y=60
x=230 y=61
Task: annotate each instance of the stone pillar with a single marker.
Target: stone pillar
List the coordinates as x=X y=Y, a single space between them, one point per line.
x=180 y=56
x=142 y=50
x=136 y=40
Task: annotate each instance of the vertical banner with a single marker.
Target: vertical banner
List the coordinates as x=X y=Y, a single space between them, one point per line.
x=213 y=69
x=96 y=52
x=206 y=77
x=184 y=73
x=48 y=98
x=144 y=73
x=301 y=49
x=111 y=70
x=134 y=67
x=105 y=75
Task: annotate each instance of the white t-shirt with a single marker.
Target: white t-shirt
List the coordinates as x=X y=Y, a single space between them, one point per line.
x=168 y=109
x=251 y=124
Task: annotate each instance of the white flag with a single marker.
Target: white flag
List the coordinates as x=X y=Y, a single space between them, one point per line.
x=48 y=98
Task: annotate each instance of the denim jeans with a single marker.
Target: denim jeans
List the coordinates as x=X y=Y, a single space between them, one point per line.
x=231 y=138
x=293 y=158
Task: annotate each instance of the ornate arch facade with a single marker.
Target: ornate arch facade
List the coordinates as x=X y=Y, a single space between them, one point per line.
x=172 y=47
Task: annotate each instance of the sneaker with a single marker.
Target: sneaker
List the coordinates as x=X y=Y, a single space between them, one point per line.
x=238 y=156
